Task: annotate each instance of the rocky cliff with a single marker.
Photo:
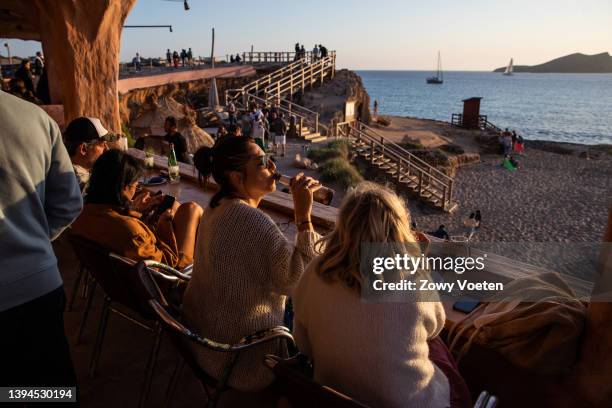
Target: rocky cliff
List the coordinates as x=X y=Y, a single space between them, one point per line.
x=330 y=98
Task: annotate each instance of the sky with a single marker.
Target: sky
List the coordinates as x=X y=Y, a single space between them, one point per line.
x=471 y=35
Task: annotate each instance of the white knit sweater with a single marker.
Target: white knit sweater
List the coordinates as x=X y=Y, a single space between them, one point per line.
x=376 y=353
x=244 y=268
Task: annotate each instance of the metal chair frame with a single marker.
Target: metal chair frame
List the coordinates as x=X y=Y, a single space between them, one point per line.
x=180 y=332
x=160 y=270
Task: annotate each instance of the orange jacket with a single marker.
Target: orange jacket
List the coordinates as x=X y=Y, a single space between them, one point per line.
x=124 y=234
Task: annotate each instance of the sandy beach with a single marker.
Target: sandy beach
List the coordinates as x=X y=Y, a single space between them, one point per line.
x=552 y=197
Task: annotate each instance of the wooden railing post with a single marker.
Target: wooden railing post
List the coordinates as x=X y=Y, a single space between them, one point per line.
x=399 y=170
x=372 y=152
x=420 y=188
x=444 y=197
x=317 y=123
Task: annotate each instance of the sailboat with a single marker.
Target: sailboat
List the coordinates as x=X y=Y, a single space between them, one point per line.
x=439 y=78
x=509 y=68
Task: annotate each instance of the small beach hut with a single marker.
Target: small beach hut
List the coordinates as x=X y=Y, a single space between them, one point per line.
x=471 y=113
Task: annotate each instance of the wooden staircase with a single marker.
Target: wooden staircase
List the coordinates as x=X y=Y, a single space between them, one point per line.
x=408 y=172
x=277 y=88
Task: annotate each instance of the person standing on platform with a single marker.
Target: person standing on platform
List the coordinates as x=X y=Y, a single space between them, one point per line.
x=190 y=57
x=169 y=57
x=315 y=53
x=25 y=74
x=39 y=198
x=177 y=139
x=39 y=64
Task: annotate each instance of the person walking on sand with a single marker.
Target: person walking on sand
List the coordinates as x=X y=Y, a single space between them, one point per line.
x=375 y=107
x=470 y=224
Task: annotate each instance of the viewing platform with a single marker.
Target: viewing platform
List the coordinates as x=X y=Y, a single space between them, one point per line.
x=183 y=75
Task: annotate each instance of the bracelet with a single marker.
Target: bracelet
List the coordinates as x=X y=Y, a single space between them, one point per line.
x=304 y=223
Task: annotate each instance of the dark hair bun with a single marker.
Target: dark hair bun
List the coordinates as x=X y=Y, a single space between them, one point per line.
x=202 y=159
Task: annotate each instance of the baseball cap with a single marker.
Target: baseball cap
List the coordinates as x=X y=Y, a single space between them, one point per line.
x=84 y=130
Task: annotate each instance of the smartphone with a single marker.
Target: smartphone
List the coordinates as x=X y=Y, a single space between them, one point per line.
x=466 y=305
x=166 y=204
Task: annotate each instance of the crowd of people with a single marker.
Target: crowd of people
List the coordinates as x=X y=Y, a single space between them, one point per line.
x=244 y=268
x=29 y=81
x=318 y=52
x=185 y=58
x=265 y=124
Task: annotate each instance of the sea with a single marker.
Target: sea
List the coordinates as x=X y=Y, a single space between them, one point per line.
x=575 y=108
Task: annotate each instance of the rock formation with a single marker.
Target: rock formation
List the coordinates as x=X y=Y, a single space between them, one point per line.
x=154 y=114
x=330 y=98
x=80 y=40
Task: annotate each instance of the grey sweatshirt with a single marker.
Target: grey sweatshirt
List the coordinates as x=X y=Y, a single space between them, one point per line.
x=39 y=197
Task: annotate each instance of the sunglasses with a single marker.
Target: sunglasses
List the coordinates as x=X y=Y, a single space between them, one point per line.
x=264 y=159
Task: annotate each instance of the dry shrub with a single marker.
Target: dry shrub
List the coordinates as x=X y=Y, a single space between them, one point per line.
x=383 y=120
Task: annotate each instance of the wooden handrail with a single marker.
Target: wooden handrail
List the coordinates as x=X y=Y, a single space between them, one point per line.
x=300 y=78
x=406 y=152
x=260 y=83
x=285 y=81
x=405 y=161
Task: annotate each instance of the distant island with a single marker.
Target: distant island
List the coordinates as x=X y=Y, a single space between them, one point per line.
x=574 y=63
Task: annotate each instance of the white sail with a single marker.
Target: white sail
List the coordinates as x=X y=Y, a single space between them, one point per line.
x=509 y=68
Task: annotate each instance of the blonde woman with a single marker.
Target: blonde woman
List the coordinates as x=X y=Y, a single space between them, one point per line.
x=377 y=353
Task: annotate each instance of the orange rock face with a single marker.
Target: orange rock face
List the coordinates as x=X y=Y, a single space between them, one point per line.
x=81 y=42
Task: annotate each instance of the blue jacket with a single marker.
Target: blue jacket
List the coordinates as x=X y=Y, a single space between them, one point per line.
x=39 y=197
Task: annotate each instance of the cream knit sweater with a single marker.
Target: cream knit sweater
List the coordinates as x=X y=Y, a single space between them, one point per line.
x=376 y=353
x=244 y=268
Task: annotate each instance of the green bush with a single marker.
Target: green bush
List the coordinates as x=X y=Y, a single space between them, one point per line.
x=340 y=170
x=337 y=148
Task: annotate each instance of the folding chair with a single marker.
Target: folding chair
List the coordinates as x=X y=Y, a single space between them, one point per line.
x=294 y=382
x=112 y=272
x=182 y=337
